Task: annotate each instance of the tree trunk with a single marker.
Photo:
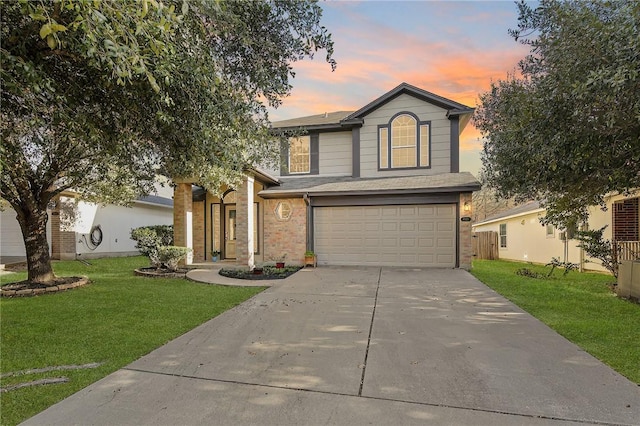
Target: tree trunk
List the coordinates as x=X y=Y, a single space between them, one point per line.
x=34 y=231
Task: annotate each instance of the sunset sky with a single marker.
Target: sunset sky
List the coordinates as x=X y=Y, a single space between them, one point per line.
x=451 y=48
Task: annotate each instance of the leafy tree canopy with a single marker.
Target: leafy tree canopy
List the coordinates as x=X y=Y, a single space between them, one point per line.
x=100 y=96
x=566 y=129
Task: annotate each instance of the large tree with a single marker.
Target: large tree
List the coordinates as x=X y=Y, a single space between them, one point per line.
x=565 y=128
x=100 y=96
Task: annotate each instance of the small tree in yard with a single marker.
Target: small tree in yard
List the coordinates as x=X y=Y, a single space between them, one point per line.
x=100 y=96
x=593 y=243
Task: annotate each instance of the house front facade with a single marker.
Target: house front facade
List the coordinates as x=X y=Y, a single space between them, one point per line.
x=376 y=186
x=522 y=237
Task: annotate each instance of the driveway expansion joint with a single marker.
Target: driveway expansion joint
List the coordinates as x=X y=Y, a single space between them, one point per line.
x=373 y=316
x=376 y=398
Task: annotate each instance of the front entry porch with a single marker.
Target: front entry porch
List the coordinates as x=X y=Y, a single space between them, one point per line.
x=227 y=224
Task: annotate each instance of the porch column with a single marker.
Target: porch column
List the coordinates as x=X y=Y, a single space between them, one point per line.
x=183 y=218
x=244 y=224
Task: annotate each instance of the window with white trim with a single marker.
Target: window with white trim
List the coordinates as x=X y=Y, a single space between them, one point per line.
x=404 y=143
x=503 y=235
x=551 y=231
x=300 y=155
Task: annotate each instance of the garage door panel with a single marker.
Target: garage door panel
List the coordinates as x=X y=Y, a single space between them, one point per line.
x=426 y=243
x=425 y=226
x=444 y=243
x=372 y=226
x=408 y=242
x=444 y=227
x=415 y=235
x=389 y=226
x=407 y=226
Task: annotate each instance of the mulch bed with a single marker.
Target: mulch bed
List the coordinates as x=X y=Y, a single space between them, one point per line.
x=28 y=288
x=268 y=273
x=153 y=272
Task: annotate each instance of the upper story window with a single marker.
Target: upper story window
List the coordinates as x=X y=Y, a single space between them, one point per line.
x=299 y=155
x=404 y=143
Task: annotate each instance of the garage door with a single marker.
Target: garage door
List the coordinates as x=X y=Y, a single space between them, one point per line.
x=412 y=235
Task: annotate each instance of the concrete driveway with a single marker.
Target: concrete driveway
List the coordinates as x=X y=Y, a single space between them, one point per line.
x=362 y=346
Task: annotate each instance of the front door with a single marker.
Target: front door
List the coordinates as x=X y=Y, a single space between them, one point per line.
x=230 y=232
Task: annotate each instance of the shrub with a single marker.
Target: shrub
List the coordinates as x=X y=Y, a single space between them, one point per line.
x=170 y=256
x=597 y=247
x=526 y=272
x=555 y=263
x=150 y=238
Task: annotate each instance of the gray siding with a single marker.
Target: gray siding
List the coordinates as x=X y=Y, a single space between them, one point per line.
x=440 y=137
x=335 y=154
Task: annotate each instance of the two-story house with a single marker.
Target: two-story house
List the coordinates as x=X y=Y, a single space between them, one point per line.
x=376 y=186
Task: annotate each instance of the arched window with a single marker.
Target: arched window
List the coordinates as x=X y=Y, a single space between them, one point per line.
x=404 y=143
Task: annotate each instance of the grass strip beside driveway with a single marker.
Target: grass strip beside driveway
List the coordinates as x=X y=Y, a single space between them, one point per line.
x=579 y=306
x=114 y=320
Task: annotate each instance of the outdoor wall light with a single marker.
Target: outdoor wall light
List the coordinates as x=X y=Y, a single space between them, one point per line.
x=467 y=207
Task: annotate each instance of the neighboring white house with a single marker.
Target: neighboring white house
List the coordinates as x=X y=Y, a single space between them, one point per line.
x=87 y=230
x=522 y=237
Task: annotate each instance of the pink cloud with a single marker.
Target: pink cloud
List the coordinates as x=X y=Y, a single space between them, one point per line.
x=373 y=58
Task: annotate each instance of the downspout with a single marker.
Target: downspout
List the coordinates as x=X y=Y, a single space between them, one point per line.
x=307 y=201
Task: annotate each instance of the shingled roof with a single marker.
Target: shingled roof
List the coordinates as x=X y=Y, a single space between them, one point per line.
x=329 y=186
x=328 y=118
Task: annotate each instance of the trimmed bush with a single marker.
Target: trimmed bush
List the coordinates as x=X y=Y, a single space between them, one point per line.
x=150 y=238
x=170 y=256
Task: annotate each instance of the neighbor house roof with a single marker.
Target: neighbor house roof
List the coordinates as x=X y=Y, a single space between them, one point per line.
x=331 y=186
x=155 y=200
x=523 y=209
x=327 y=119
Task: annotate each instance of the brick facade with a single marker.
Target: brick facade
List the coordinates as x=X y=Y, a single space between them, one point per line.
x=285 y=236
x=182 y=217
x=244 y=227
x=464 y=231
x=626 y=220
x=63 y=242
x=198 y=231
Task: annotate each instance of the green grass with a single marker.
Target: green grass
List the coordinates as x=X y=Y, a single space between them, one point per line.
x=580 y=307
x=115 y=320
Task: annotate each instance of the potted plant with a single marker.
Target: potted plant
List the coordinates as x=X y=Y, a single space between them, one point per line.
x=309 y=258
x=215 y=255
x=280 y=261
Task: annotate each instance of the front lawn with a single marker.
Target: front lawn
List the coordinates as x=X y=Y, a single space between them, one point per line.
x=114 y=320
x=579 y=306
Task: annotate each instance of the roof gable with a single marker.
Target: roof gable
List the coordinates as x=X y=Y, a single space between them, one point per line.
x=453 y=108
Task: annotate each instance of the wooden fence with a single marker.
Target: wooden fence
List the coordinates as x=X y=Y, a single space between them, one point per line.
x=485 y=245
x=628 y=250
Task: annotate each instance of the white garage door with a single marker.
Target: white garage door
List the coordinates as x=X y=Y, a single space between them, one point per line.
x=12 y=243
x=412 y=235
